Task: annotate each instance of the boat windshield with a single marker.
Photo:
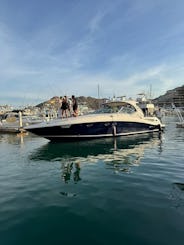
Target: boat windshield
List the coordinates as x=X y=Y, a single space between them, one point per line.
x=116 y=108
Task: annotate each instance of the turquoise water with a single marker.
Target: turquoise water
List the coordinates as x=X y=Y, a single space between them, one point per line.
x=128 y=191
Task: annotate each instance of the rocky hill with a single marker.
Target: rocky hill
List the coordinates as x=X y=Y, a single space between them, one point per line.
x=175 y=96
x=90 y=102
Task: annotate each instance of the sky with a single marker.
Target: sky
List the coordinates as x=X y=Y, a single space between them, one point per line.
x=98 y=48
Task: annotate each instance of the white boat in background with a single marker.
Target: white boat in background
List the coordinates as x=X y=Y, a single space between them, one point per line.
x=180 y=125
x=115 y=118
x=146 y=105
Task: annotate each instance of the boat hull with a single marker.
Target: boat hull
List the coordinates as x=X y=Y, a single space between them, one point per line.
x=93 y=130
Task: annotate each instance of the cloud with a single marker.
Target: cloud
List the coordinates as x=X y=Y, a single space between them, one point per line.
x=145 y=75
x=117 y=45
x=94 y=24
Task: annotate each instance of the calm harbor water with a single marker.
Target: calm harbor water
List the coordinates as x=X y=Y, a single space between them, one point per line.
x=128 y=191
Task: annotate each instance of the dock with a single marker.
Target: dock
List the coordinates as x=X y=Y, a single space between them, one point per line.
x=11 y=129
x=12 y=126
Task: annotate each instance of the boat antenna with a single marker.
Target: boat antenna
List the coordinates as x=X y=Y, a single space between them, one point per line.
x=150 y=95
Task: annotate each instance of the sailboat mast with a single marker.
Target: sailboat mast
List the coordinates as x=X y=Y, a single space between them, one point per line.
x=98 y=96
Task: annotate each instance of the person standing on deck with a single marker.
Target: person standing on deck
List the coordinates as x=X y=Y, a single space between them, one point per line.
x=60 y=99
x=75 y=106
x=64 y=107
x=69 y=106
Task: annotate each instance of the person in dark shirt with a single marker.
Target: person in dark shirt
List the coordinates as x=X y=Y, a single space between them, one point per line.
x=64 y=107
x=75 y=106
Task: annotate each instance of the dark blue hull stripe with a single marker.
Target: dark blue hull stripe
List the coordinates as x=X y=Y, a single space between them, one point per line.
x=95 y=130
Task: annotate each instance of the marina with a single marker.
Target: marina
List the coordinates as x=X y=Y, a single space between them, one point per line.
x=124 y=190
x=91 y=122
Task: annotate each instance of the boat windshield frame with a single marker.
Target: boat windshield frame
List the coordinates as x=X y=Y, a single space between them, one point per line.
x=116 y=107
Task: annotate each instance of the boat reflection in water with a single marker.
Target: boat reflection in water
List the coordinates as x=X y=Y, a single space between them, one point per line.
x=118 y=154
x=70 y=170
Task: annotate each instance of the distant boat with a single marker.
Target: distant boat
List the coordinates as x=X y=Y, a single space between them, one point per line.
x=114 y=118
x=13 y=122
x=180 y=125
x=146 y=105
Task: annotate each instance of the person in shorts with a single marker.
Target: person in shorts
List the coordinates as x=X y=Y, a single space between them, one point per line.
x=64 y=107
